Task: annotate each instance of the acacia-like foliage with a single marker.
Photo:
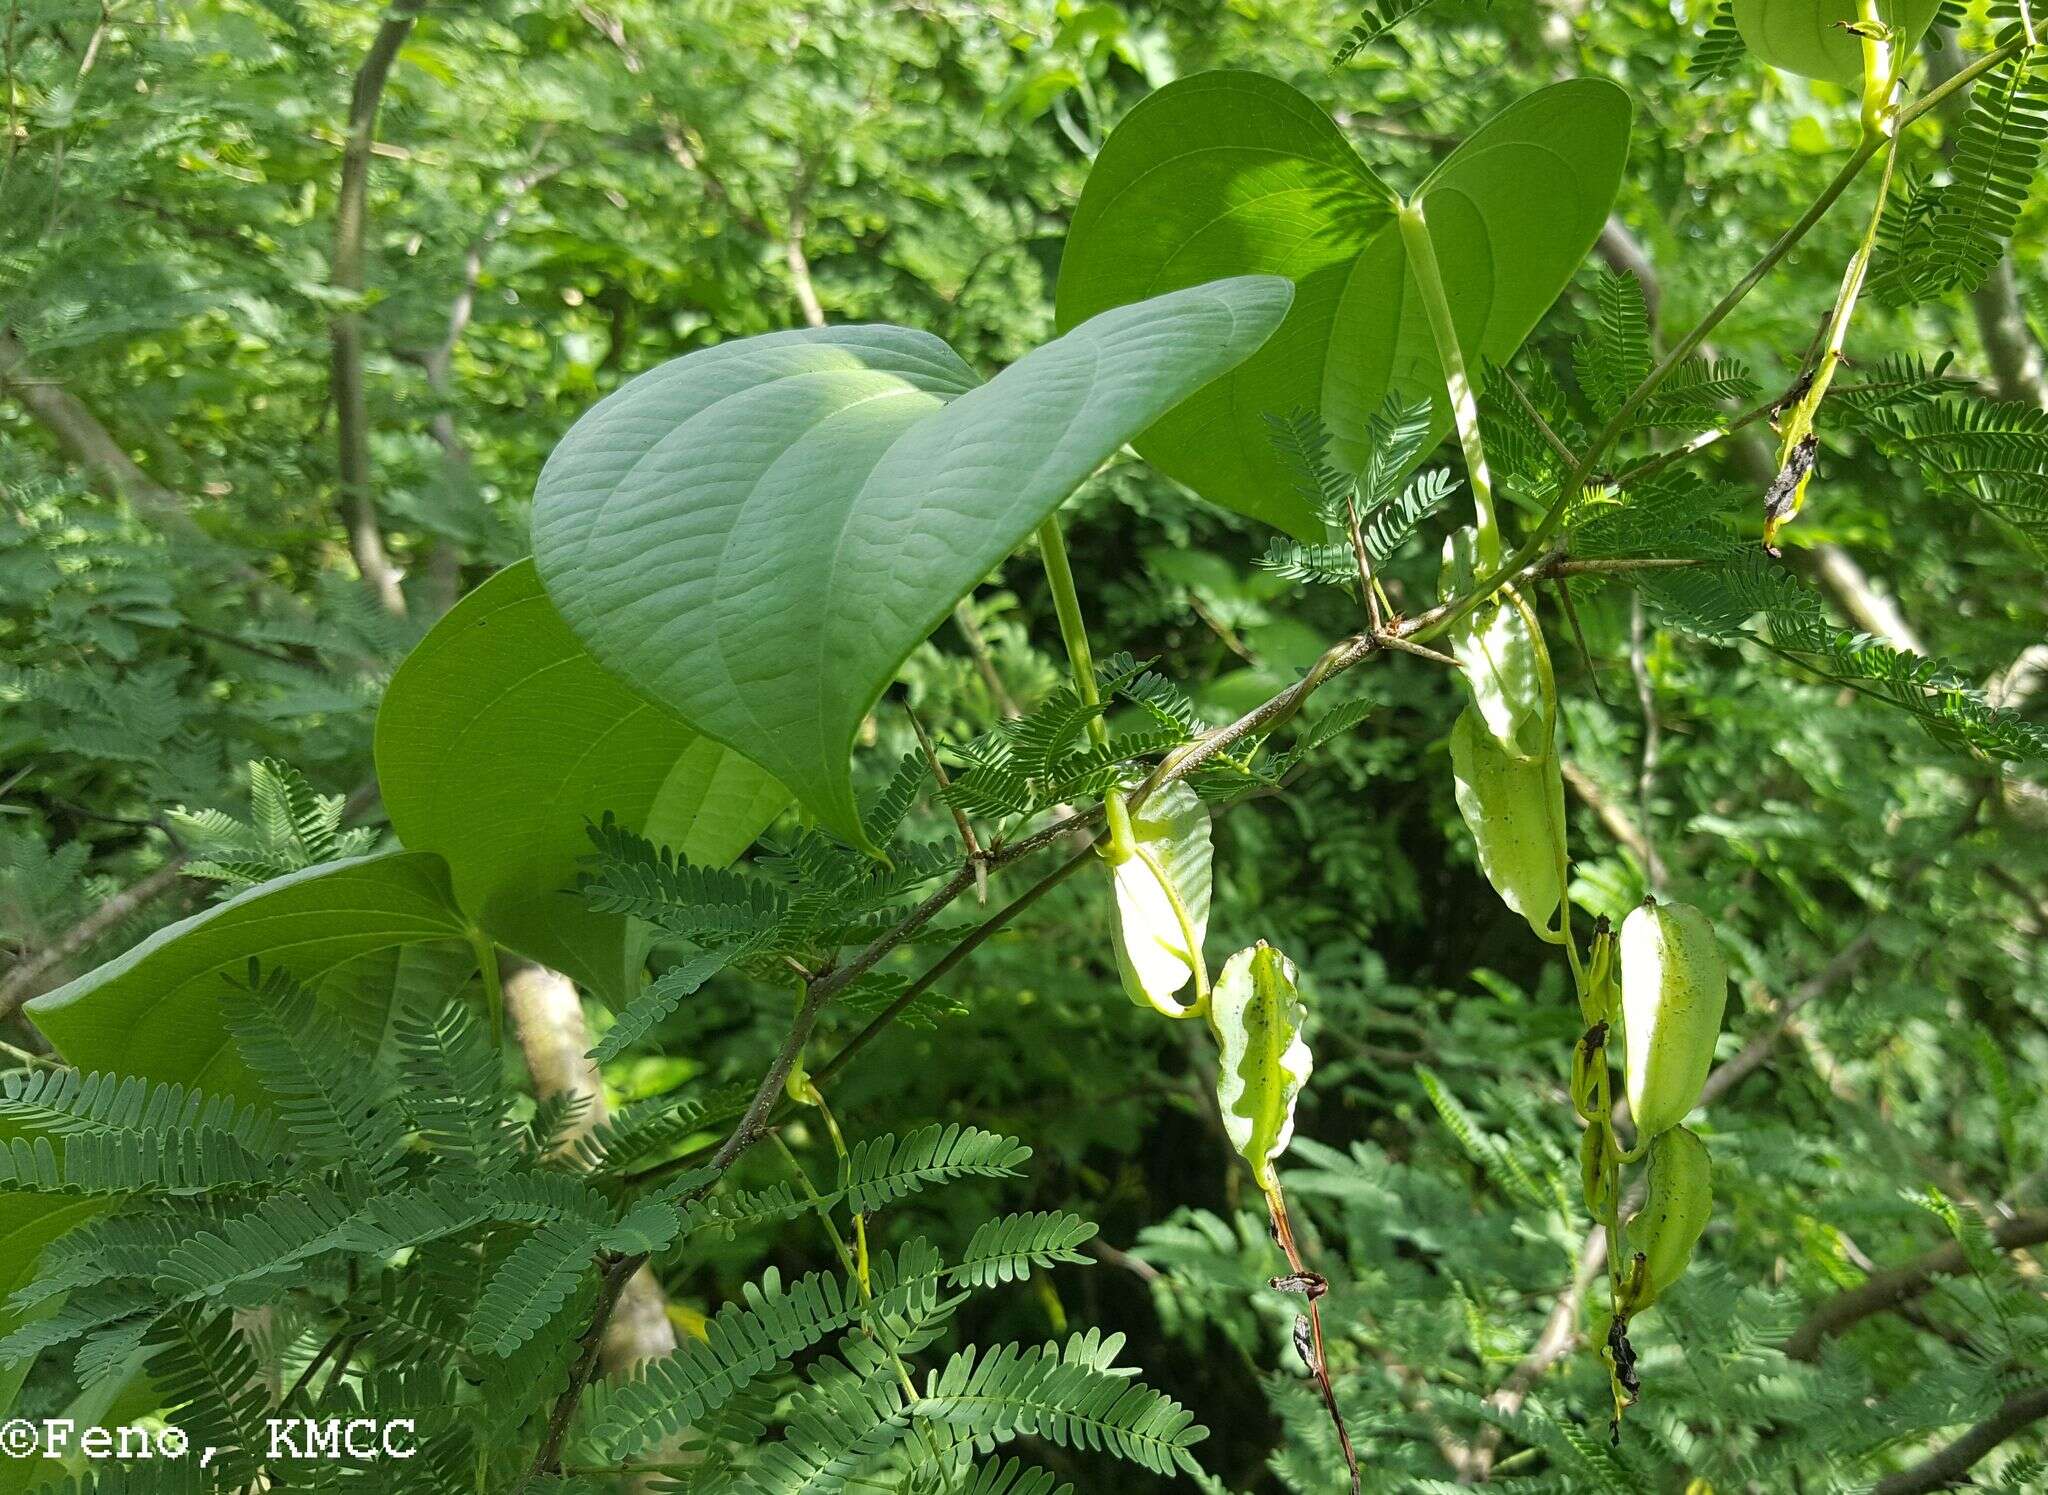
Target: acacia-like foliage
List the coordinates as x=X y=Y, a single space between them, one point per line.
x=404 y=1209
x=1947 y=236
x=1380 y=505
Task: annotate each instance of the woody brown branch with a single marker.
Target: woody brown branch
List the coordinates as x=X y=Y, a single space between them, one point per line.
x=345 y=333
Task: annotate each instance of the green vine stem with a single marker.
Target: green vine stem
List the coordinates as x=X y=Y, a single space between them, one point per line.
x=1533 y=549
x=813 y=1096
x=1880 y=130
x=1429 y=285
x=822 y=1208
x=494 y=986
x=1066 y=601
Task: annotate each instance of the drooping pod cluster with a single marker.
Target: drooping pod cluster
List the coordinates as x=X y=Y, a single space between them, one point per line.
x=1674 y=987
x=1662 y=979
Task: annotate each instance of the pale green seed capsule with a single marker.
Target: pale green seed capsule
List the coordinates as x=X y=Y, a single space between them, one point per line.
x=1674 y=986
x=1515 y=811
x=1676 y=1209
x=1506 y=667
x=1162 y=900
x=1256 y=1013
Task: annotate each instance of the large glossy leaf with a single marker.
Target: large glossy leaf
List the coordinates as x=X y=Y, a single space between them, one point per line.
x=1231 y=173
x=758 y=534
x=500 y=736
x=155 y=1011
x=1807 y=36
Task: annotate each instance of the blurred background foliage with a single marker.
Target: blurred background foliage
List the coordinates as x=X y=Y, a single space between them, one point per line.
x=563 y=194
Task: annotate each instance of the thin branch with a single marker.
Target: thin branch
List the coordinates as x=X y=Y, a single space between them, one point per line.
x=19 y=984
x=984 y=661
x=1559 y=1334
x=951 y=959
x=675 y=134
x=1845 y=964
x=1943 y=1469
x=87 y=442
x=444 y=579
x=793 y=254
x=1625 y=831
x=351 y=217
x=1867 y=607
x=1543 y=427
x=1883 y=1292
x=960 y=821
x=617 y=1273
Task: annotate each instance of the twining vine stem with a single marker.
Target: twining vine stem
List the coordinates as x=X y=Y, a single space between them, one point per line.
x=1686 y=346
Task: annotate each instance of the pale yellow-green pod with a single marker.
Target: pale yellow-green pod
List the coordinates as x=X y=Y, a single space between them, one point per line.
x=1589 y=1073
x=1515 y=811
x=1162 y=901
x=1675 y=1210
x=1674 y=985
x=1256 y=1013
x=1506 y=666
x=1593 y=1173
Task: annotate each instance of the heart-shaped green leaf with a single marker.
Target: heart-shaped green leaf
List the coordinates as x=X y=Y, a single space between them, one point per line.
x=1808 y=37
x=500 y=736
x=28 y=1223
x=758 y=534
x=1232 y=173
x=155 y=1011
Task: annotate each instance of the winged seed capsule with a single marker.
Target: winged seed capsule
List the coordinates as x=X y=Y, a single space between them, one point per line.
x=1515 y=812
x=1162 y=901
x=1256 y=1013
x=1674 y=985
x=1674 y=1212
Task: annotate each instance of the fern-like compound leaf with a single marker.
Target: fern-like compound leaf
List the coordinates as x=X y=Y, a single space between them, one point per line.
x=1720 y=52
x=454 y=1085
x=1065 y=1395
x=337 y=1107
x=1011 y=1247
x=884 y=1169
